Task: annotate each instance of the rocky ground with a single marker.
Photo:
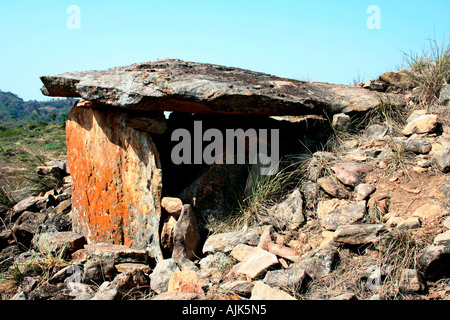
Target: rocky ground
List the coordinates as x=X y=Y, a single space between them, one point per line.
x=370 y=219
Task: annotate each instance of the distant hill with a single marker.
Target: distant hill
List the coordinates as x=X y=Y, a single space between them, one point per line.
x=14 y=111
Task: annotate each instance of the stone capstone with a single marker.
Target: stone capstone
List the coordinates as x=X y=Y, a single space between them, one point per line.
x=175 y=85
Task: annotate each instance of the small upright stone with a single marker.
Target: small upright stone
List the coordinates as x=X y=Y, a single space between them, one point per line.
x=185 y=234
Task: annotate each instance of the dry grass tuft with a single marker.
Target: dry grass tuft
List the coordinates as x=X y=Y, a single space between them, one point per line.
x=428 y=70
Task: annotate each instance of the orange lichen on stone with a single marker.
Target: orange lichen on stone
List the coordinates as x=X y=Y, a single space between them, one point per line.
x=117 y=179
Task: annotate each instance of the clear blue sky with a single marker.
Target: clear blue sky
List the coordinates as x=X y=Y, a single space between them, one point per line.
x=315 y=40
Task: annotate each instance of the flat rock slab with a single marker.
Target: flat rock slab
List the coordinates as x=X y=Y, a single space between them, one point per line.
x=344 y=215
x=262 y=291
x=68 y=241
x=175 y=85
x=359 y=234
x=116 y=253
x=257 y=263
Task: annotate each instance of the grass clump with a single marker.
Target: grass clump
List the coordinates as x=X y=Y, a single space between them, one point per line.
x=428 y=70
x=256 y=198
x=398 y=252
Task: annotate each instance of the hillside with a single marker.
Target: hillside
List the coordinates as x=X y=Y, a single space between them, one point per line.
x=14 y=111
x=357 y=210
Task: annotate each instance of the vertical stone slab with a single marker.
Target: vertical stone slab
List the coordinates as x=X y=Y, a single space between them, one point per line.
x=116 y=172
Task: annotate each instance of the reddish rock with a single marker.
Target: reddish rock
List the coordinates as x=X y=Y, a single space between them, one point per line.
x=116 y=175
x=284 y=252
x=80 y=256
x=266 y=237
x=185 y=281
x=351 y=173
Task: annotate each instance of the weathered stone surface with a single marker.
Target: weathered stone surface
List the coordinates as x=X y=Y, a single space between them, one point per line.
x=27 y=204
x=228 y=240
x=176 y=295
x=68 y=241
x=351 y=173
x=410 y=223
x=221 y=242
x=289 y=213
x=311 y=191
x=242 y=252
x=123 y=267
x=363 y=191
x=284 y=252
x=375 y=131
x=441 y=159
x=130 y=280
x=267 y=237
x=159 y=279
x=80 y=291
x=98 y=271
x=399 y=79
x=210 y=194
x=446 y=223
x=292 y=279
x=257 y=263
x=410 y=282
x=168 y=225
x=422 y=124
x=117 y=179
x=342 y=122
x=80 y=256
x=26 y=227
x=442 y=239
x=344 y=215
x=106 y=292
x=416 y=114
x=217 y=260
x=185 y=234
x=332 y=188
x=172 y=205
x=431 y=210
x=319 y=263
x=241 y=287
x=262 y=291
x=359 y=234
x=64 y=207
x=70 y=273
x=116 y=253
x=185 y=281
x=149 y=122
x=434 y=260
x=417 y=146
x=175 y=85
